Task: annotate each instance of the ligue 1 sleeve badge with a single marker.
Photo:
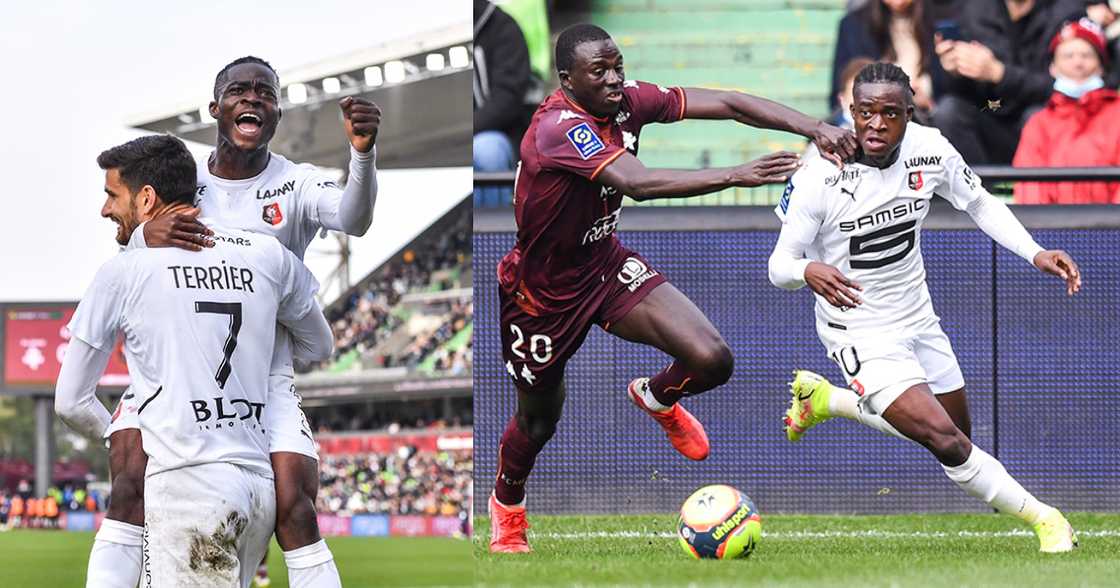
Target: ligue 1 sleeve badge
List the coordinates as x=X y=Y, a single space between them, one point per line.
x=272 y=214
x=915 y=180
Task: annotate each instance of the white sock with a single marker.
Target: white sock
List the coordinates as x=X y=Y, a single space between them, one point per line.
x=985 y=478
x=312 y=566
x=843 y=402
x=115 y=560
x=648 y=399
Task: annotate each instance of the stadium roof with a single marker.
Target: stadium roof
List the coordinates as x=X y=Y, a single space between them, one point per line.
x=420 y=83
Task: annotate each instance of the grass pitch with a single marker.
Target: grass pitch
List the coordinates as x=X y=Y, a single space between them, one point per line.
x=58 y=559
x=899 y=551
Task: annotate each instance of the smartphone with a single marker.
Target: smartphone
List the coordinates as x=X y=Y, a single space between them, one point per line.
x=949 y=30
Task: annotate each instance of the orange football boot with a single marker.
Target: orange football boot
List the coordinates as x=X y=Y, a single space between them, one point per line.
x=685 y=432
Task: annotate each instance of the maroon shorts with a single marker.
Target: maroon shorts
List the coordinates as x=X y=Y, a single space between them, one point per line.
x=535 y=349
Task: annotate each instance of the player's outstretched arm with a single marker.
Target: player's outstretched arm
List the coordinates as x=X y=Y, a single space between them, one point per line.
x=628 y=175
x=998 y=222
x=74 y=398
x=835 y=143
x=351 y=210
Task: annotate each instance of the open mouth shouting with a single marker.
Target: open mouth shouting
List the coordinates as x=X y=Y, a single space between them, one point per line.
x=249 y=124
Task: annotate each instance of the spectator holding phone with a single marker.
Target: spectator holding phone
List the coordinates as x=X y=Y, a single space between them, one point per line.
x=899 y=31
x=1080 y=125
x=997 y=73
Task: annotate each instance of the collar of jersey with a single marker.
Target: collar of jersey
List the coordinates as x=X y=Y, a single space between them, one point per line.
x=243 y=181
x=605 y=119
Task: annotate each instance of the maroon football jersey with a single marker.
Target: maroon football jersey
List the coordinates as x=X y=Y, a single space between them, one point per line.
x=565 y=220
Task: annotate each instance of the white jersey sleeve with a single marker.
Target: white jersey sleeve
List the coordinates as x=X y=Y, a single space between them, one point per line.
x=801 y=213
x=297 y=287
x=98 y=317
x=350 y=210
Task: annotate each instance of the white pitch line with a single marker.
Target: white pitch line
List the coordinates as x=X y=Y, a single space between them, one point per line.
x=871 y=534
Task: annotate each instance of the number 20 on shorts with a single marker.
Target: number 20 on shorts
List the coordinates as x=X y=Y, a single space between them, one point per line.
x=540 y=346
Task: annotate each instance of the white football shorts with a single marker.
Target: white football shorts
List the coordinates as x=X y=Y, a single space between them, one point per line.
x=288 y=429
x=881 y=365
x=206 y=525
x=287 y=426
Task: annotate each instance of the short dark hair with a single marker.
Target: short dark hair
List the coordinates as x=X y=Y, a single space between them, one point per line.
x=160 y=161
x=884 y=73
x=223 y=76
x=571 y=38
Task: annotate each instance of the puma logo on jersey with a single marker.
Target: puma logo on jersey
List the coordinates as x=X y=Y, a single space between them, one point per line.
x=923 y=161
x=283 y=189
x=882 y=216
x=851 y=193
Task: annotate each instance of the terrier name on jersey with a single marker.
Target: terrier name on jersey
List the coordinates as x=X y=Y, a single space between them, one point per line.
x=273 y=193
x=224 y=277
x=923 y=160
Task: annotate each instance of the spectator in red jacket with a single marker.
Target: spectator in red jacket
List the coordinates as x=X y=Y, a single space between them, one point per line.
x=1080 y=125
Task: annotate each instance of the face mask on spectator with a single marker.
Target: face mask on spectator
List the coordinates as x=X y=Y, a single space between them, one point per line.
x=1076 y=90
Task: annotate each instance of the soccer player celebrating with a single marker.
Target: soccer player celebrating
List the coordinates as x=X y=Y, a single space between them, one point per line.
x=854 y=237
x=568 y=270
x=210 y=501
x=244 y=185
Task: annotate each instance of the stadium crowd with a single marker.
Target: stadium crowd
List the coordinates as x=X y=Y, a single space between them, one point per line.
x=21 y=509
x=407 y=482
x=391 y=417
x=1030 y=83
x=368 y=316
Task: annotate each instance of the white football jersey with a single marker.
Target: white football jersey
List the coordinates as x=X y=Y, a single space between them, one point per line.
x=282 y=201
x=199 y=329
x=867 y=222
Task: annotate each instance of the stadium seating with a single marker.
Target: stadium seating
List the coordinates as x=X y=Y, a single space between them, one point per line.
x=411 y=311
x=405 y=482
x=760 y=47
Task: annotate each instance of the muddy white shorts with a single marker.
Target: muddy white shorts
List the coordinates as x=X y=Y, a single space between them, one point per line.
x=287 y=426
x=881 y=365
x=206 y=525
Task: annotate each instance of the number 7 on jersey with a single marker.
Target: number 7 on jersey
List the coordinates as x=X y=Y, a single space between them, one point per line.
x=233 y=309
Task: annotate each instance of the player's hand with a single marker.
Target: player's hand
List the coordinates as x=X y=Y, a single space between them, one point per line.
x=772 y=168
x=837 y=289
x=179 y=229
x=835 y=144
x=1059 y=263
x=361 y=119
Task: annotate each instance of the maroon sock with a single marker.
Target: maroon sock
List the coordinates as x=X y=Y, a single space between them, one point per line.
x=676 y=382
x=516 y=455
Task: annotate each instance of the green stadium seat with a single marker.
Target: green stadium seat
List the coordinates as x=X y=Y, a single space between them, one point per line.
x=781 y=50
